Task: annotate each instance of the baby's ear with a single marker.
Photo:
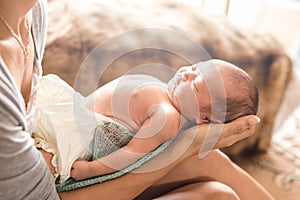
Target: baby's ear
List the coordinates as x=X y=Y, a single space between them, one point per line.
x=216 y=121
x=202 y=120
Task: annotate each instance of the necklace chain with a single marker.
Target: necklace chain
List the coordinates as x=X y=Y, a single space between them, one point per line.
x=25 y=47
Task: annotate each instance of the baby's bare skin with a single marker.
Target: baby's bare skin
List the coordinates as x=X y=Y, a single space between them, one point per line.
x=130 y=100
x=153 y=118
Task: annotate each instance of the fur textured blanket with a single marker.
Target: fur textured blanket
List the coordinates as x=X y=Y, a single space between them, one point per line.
x=129 y=37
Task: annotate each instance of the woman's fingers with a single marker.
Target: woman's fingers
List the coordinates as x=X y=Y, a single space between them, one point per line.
x=205 y=137
x=237 y=130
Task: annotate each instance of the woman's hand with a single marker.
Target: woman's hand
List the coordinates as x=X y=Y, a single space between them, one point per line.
x=213 y=136
x=237 y=130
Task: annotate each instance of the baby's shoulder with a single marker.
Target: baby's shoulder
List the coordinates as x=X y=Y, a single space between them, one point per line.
x=139 y=78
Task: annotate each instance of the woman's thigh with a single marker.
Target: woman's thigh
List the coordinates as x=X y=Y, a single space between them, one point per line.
x=203 y=190
x=215 y=166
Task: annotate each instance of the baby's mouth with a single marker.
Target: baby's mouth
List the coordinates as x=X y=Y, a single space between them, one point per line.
x=178 y=79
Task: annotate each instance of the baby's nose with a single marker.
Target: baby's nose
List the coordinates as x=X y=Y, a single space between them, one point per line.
x=189 y=75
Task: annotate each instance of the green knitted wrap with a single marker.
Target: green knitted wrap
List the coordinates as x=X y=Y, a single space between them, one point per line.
x=108 y=138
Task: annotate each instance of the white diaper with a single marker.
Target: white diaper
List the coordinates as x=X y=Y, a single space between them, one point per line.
x=64 y=126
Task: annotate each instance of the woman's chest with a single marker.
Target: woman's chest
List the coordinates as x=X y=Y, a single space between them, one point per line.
x=20 y=67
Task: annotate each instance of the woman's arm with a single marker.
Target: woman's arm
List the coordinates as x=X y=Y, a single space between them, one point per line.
x=21 y=165
x=132 y=184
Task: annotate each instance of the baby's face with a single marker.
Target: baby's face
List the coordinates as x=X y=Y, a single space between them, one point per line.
x=194 y=88
x=188 y=89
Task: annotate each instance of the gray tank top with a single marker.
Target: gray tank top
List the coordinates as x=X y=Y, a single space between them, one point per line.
x=23 y=171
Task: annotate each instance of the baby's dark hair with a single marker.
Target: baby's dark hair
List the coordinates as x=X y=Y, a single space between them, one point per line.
x=243 y=98
x=247 y=100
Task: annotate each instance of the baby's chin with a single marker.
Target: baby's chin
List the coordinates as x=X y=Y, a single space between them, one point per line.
x=171 y=93
x=171 y=84
x=172 y=96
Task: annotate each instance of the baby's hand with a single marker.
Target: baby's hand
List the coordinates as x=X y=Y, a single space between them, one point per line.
x=81 y=170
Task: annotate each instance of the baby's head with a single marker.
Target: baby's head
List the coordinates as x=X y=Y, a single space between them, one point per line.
x=241 y=96
x=213 y=91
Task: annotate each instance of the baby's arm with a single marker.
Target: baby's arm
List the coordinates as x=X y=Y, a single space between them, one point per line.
x=162 y=125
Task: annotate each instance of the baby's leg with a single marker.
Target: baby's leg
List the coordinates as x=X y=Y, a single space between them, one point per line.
x=214 y=167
